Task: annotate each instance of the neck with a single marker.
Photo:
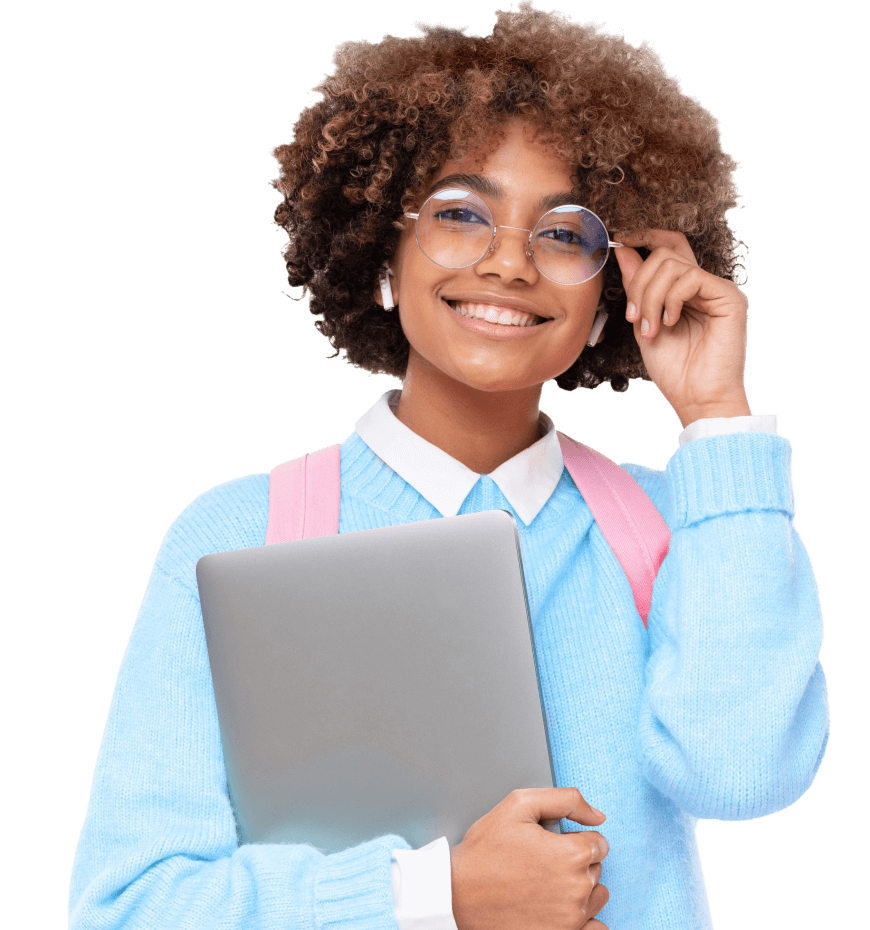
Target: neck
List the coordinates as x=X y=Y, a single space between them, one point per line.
x=481 y=429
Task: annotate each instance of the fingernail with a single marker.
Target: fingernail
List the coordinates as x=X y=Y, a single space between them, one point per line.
x=630 y=312
x=596 y=811
x=644 y=327
x=665 y=317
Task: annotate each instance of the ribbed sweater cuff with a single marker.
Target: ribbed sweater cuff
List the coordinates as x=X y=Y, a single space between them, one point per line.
x=354 y=887
x=734 y=473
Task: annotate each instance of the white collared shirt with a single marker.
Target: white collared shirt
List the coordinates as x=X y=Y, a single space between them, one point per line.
x=527 y=480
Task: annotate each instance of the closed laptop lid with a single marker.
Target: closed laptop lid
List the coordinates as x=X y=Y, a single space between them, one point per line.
x=375 y=682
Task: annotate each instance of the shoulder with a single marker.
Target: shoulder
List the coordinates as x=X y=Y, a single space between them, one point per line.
x=229 y=516
x=654 y=484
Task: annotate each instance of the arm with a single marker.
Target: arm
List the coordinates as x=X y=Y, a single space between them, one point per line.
x=159 y=845
x=733 y=722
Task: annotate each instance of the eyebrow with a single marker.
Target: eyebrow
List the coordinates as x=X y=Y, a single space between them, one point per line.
x=486 y=188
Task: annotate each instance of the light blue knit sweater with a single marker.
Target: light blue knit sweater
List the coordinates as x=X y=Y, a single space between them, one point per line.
x=719 y=711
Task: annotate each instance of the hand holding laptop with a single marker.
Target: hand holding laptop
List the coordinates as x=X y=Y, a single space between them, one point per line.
x=509 y=873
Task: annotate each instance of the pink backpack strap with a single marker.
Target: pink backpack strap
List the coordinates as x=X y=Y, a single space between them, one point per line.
x=627 y=518
x=304 y=497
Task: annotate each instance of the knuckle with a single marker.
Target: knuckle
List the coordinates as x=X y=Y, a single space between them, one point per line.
x=584 y=852
x=568 y=912
x=579 y=894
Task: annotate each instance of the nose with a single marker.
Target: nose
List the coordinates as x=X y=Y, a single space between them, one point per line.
x=508 y=257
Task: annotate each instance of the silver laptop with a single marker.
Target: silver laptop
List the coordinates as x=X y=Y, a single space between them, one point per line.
x=375 y=682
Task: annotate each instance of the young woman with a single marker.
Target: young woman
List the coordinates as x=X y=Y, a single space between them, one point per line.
x=477 y=216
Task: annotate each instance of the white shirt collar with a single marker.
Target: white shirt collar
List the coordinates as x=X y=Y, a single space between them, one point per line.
x=527 y=480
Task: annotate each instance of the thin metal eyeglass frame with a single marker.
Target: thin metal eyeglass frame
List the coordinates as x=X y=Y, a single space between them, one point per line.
x=529 y=250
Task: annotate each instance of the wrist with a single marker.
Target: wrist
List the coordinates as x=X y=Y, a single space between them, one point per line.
x=690 y=413
x=457 y=895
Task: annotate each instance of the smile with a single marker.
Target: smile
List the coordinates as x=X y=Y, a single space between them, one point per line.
x=494 y=314
x=526 y=327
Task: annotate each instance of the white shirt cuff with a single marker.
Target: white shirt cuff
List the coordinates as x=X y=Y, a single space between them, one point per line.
x=717 y=426
x=422 y=893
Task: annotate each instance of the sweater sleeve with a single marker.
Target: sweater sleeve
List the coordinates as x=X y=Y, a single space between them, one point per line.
x=734 y=719
x=159 y=846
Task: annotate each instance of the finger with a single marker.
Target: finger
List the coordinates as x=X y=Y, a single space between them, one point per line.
x=593 y=844
x=650 y=302
x=629 y=262
x=597 y=899
x=536 y=805
x=594 y=925
x=659 y=238
x=673 y=284
x=595 y=872
x=647 y=273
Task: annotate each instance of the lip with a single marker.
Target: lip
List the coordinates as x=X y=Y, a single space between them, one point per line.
x=498 y=300
x=496 y=330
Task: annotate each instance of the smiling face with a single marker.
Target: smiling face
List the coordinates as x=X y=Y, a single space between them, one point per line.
x=532 y=328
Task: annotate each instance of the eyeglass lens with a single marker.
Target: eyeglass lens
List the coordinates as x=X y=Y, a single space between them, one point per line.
x=455 y=229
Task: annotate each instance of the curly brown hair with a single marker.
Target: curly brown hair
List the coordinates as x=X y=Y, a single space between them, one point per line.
x=644 y=156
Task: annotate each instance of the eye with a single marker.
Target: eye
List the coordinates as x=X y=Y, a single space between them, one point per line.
x=565 y=237
x=563 y=234
x=459 y=214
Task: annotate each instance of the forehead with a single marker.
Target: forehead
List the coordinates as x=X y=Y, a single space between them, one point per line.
x=518 y=165
x=522 y=196
x=519 y=140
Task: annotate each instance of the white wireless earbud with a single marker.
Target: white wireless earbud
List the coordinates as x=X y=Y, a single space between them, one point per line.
x=386 y=290
x=597 y=327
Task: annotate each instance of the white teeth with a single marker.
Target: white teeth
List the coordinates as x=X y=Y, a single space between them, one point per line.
x=494 y=314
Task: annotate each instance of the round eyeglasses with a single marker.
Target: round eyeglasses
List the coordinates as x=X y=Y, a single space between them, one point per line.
x=455 y=229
